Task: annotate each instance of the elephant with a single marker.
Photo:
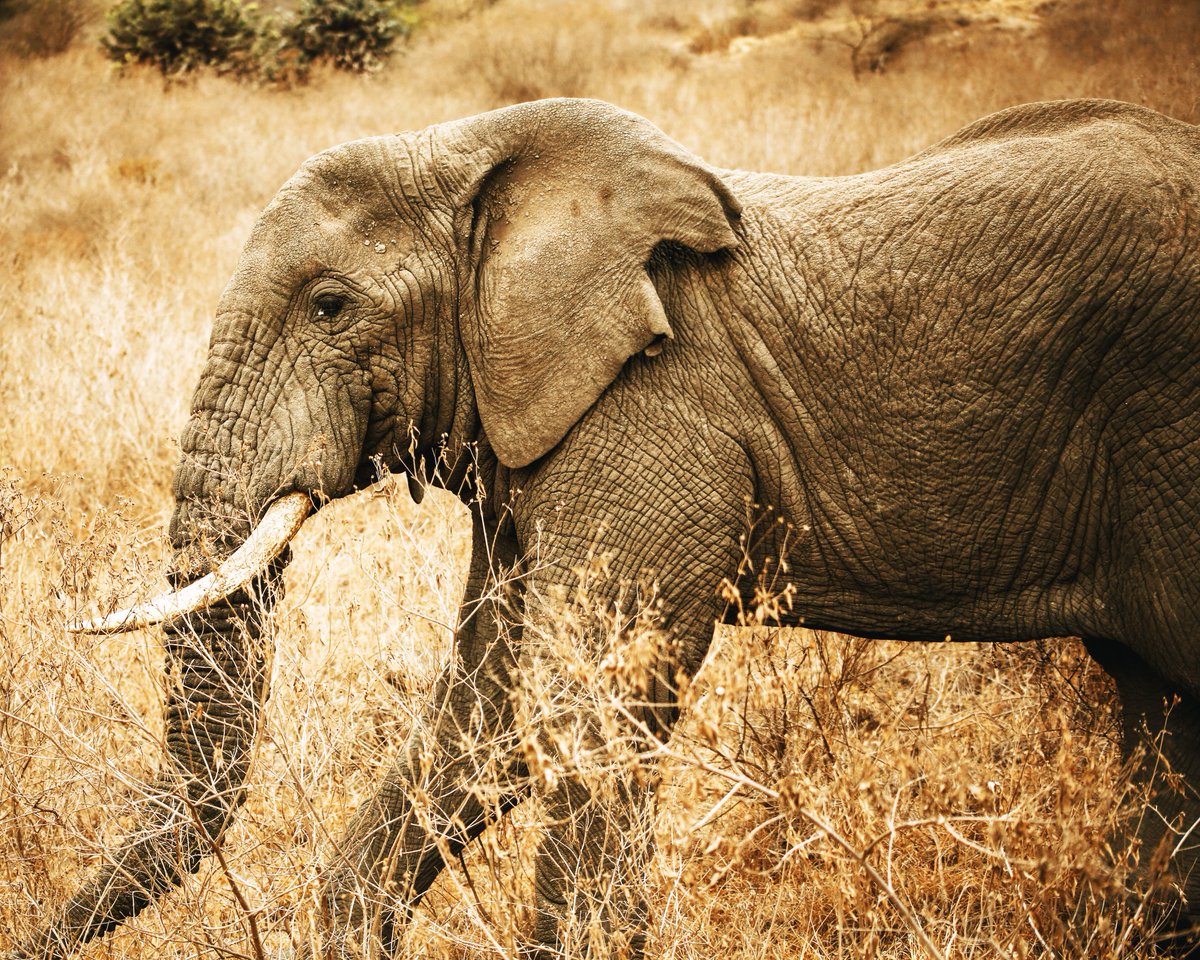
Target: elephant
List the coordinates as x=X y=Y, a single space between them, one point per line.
x=965 y=388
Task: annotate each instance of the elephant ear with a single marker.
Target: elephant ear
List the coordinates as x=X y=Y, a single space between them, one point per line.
x=570 y=198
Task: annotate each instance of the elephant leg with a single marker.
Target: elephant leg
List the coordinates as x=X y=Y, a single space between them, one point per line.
x=624 y=612
x=1162 y=723
x=590 y=868
x=594 y=773
x=459 y=771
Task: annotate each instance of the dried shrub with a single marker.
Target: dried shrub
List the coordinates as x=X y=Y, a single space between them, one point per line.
x=881 y=41
x=43 y=28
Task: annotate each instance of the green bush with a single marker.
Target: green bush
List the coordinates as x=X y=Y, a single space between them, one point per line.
x=180 y=35
x=353 y=35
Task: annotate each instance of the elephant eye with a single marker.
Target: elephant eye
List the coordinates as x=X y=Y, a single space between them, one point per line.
x=329 y=305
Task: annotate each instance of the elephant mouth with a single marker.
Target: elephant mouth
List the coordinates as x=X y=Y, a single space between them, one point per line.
x=266 y=541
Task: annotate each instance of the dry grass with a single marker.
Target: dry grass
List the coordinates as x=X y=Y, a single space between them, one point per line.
x=824 y=798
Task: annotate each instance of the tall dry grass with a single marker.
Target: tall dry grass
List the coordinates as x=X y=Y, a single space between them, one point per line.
x=824 y=797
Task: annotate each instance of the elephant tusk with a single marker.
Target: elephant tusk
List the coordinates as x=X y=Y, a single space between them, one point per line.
x=266 y=541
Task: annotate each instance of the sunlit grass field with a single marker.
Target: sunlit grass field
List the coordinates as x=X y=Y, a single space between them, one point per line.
x=825 y=797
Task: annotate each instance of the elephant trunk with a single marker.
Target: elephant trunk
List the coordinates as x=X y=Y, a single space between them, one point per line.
x=216 y=685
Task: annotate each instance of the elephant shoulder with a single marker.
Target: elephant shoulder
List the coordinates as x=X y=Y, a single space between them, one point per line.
x=1054 y=119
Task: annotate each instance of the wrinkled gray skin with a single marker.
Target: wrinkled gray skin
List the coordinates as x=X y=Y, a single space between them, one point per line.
x=969 y=383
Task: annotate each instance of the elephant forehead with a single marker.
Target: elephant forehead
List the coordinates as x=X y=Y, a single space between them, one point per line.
x=307 y=210
x=300 y=235
x=285 y=247
x=345 y=170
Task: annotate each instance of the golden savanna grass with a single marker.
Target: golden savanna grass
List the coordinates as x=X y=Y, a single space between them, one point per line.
x=825 y=797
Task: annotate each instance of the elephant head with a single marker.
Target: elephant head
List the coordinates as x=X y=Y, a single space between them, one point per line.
x=402 y=297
